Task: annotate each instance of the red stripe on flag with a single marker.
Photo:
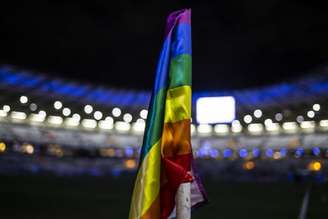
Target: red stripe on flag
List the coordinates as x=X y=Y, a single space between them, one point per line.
x=175 y=170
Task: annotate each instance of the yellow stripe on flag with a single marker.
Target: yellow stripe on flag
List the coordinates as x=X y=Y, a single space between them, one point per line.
x=147 y=184
x=178 y=104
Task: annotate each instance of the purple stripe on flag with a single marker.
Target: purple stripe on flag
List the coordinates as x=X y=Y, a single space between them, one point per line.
x=182 y=16
x=198 y=194
x=185 y=17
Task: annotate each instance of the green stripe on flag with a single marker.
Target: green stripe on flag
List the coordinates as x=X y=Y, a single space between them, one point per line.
x=155 y=121
x=180 y=71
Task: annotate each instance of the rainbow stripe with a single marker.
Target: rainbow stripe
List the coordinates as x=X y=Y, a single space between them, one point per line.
x=166 y=155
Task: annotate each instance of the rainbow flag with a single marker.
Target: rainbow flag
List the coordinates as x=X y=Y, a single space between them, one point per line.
x=166 y=156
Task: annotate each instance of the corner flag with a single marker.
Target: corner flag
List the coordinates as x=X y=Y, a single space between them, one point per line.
x=166 y=159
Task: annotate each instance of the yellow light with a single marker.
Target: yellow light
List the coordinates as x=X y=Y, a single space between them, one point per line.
x=130 y=163
x=2 y=147
x=249 y=165
x=27 y=148
x=276 y=155
x=107 y=152
x=314 y=166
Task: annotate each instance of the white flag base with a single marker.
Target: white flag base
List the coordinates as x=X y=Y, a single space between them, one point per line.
x=182 y=201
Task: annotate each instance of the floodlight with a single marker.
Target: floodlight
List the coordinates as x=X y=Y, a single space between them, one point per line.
x=215 y=110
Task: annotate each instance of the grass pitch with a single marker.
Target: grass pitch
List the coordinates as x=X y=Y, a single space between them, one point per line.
x=40 y=197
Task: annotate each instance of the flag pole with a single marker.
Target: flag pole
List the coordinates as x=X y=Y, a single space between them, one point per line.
x=305 y=204
x=182 y=200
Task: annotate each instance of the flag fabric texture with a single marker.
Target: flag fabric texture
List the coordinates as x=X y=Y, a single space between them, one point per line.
x=166 y=158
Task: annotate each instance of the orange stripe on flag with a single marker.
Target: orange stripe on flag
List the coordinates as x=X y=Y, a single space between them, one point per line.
x=176 y=138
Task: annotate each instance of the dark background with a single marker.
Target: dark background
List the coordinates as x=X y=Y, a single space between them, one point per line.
x=236 y=44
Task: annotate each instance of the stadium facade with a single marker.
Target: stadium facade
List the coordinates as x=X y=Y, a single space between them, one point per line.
x=57 y=118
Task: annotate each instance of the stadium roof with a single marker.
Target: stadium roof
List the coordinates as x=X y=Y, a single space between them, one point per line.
x=295 y=96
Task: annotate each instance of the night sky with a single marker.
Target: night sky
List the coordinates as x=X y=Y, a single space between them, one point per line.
x=236 y=44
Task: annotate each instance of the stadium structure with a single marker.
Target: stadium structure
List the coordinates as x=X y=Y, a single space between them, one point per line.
x=64 y=127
